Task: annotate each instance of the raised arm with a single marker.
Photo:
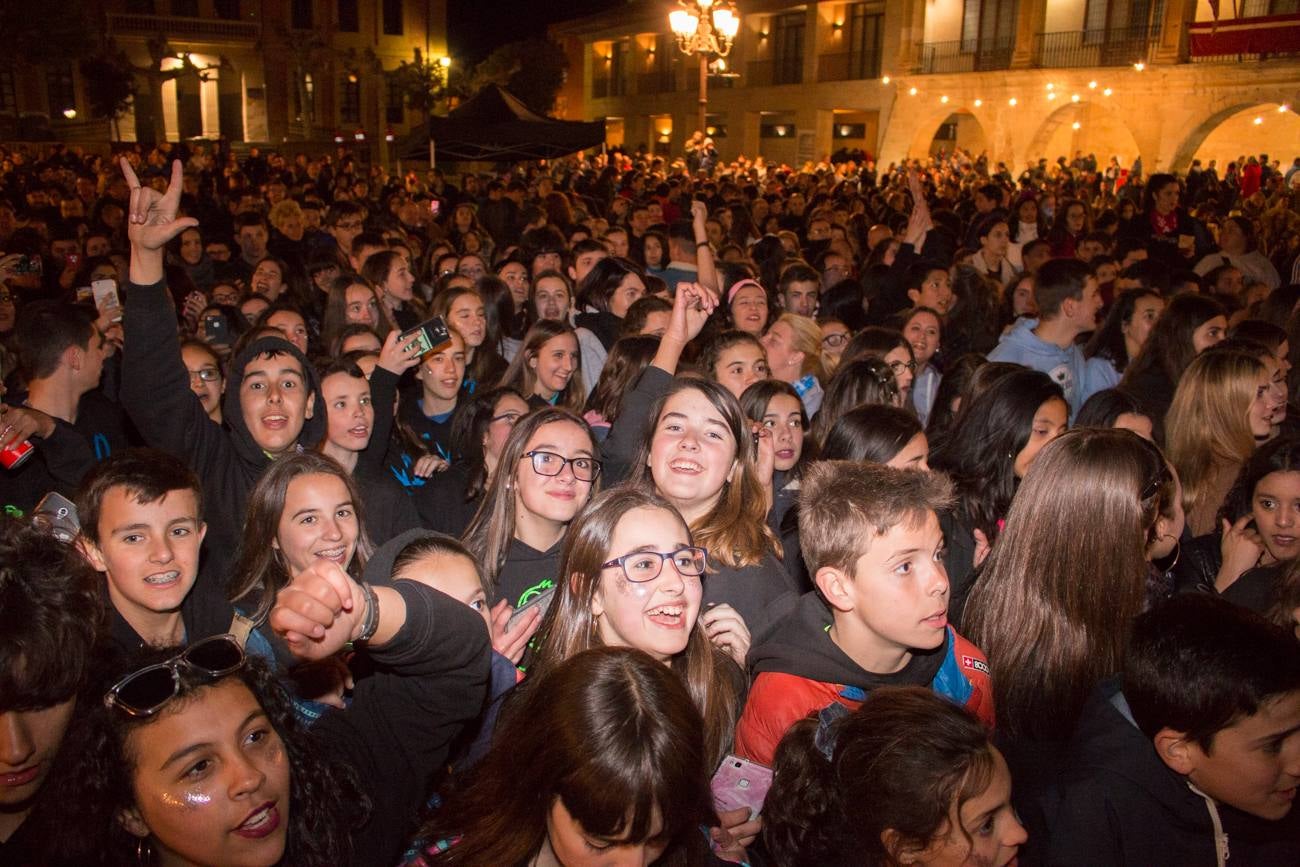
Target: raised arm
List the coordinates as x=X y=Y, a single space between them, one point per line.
x=707 y=268
x=155 y=385
x=421 y=678
x=691 y=308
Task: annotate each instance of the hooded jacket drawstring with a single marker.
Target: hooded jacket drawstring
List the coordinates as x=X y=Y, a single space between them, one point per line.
x=1220 y=838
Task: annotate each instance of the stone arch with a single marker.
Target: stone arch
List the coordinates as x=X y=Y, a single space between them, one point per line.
x=1100 y=130
x=1243 y=109
x=972 y=133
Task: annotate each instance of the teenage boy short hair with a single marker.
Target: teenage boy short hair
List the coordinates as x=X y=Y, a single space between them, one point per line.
x=1198 y=664
x=148 y=475
x=1057 y=280
x=45 y=330
x=1217 y=689
x=843 y=505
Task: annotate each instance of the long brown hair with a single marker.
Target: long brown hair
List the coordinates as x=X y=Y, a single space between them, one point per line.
x=489 y=532
x=569 y=628
x=1066 y=577
x=523 y=378
x=260 y=571
x=614 y=737
x=735 y=530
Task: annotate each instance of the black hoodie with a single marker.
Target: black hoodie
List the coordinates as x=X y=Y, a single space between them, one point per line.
x=1119 y=804
x=156 y=394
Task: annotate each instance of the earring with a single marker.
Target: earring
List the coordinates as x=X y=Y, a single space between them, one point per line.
x=1178 y=551
x=143 y=852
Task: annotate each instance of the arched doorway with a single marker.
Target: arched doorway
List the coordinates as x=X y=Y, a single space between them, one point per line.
x=1083 y=128
x=1259 y=129
x=957 y=129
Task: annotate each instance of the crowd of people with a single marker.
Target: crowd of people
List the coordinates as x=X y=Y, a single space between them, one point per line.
x=628 y=511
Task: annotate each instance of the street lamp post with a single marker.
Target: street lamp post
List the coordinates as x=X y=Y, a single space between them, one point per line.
x=706 y=28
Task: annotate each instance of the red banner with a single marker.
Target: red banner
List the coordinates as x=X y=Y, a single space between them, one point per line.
x=1269 y=34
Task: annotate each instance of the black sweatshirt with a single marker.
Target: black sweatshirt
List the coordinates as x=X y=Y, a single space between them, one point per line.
x=156 y=394
x=1120 y=804
x=424 y=686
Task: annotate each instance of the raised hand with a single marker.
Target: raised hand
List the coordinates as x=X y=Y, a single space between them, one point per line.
x=397 y=355
x=320 y=611
x=151 y=217
x=692 y=307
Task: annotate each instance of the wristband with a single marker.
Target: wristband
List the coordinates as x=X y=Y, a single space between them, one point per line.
x=371 y=624
x=701 y=244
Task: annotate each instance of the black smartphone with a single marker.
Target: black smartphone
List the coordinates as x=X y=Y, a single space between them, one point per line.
x=429 y=336
x=216 y=329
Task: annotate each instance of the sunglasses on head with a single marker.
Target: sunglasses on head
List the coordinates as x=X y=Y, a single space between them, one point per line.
x=145 y=692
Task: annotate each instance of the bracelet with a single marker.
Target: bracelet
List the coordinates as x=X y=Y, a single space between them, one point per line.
x=701 y=244
x=371 y=624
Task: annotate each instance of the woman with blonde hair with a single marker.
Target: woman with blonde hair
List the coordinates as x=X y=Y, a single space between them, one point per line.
x=793 y=345
x=1222 y=402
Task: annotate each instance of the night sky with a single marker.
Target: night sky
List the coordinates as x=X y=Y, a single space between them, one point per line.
x=475 y=27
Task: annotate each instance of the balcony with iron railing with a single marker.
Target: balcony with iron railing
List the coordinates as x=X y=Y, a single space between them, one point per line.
x=848 y=66
x=608 y=85
x=1236 y=40
x=782 y=70
x=1115 y=47
x=180 y=27
x=962 y=56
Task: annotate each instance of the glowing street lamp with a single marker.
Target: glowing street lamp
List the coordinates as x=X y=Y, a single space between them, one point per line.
x=706 y=28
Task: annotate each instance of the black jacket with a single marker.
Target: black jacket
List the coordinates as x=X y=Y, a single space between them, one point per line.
x=1120 y=805
x=422 y=688
x=205 y=612
x=156 y=394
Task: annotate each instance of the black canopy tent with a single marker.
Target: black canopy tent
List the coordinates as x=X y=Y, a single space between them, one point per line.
x=495 y=126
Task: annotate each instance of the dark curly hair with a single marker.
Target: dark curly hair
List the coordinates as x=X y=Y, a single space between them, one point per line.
x=94 y=770
x=53 y=606
x=898 y=763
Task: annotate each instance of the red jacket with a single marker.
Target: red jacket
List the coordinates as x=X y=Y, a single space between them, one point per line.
x=800 y=671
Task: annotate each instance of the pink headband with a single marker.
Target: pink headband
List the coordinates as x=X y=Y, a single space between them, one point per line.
x=742 y=284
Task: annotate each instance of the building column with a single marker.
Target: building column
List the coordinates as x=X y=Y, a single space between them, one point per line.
x=1171 y=47
x=210 y=105
x=823 y=133
x=910 y=27
x=171 y=118
x=1030 y=16
x=750 y=134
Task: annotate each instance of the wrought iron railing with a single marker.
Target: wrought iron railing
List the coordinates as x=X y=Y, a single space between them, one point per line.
x=175 y=25
x=962 y=56
x=1115 y=47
